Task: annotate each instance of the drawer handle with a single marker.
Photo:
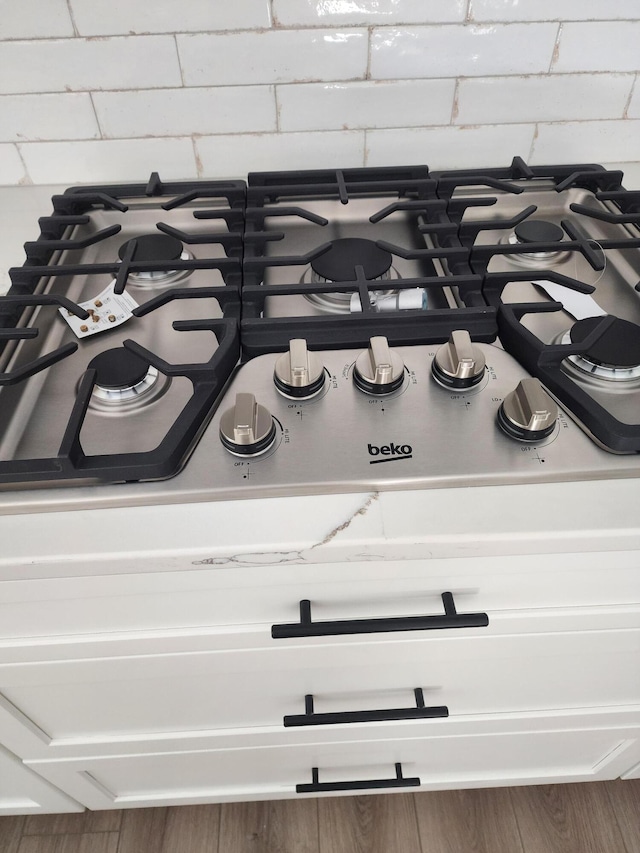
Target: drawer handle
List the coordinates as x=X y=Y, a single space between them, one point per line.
x=316 y=787
x=450 y=619
x=420 y=712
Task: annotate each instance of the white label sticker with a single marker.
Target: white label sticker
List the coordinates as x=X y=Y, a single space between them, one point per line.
x=579 y=305
x=106 y=310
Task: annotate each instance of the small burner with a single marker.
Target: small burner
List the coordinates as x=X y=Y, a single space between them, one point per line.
x=121 y=376
x=340 y=261
x=161 y=248
x=614 y=356
x=538 y=231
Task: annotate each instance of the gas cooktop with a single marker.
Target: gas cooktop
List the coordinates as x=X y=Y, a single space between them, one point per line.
x=324 y=331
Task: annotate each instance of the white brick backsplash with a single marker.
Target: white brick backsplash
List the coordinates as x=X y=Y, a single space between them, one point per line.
x=311 y=13
x=109 y=160
x=345 y=106
x=450 y=147
x=80 y=64
x=275 y=56
x=552 y=10
x=34 y=19
x=11 y=167
x=171 y=112
x=497 y=100
x=470 y=51
x=123 y=17
x=235 y=156
x=599 y=46
x=588 y=141
x=39 y=117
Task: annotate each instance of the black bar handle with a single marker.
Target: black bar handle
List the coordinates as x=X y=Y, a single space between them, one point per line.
x=316 y=787
x=338 y=627
x=420 y=712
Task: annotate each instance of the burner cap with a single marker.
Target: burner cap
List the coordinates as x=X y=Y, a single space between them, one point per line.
x=154 y=247
x=339 y=262
x=618 y=347
x=538 y=231
x=118 y=368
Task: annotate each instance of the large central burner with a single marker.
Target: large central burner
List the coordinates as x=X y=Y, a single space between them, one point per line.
x=160 y=248
x=339 y=264
x=615 y=356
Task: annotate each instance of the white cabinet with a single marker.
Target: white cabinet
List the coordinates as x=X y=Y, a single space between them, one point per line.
x=149 y=689
x=24 y=792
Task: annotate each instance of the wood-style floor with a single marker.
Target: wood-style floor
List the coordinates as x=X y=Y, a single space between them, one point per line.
x=597 y=817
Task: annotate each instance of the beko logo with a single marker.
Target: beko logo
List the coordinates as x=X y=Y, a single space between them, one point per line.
x=391 y=452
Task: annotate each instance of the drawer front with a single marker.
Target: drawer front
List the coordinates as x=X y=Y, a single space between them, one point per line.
x=245 y=595
x=147 y=697
x=22 y=791
x=268 y=773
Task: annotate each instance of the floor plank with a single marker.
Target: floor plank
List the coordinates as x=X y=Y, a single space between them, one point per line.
x=371 y=824
x=478 y=821
x=625 y=801
x=88 y=842
x=10 y=832
x=567 y=819
x=142 y=830
x=280 y=826
x=192 y=829
x=66 y=824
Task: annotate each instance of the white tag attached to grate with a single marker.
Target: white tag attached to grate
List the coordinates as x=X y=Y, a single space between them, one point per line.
x=579 y=305
x=106 y=310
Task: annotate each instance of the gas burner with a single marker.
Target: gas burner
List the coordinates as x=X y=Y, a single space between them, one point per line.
x=339 y=264
x=536 y=231
x=124 y=380
x=615 y=356
x=157 y=248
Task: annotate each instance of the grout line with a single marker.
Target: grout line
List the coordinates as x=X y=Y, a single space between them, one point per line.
x=175 y=41
x=275 y=95
x=625 y=111
x=272 y=15
x=468 y=18
x=455 y=105
x=556 y=49
x=27 y=180
x=367 y=75
x=533 y=142
x=95 y=112
x=73 y=18
x=365 y=149
x=197 y=158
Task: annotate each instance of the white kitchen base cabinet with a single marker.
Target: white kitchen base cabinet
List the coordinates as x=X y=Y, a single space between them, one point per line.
x=472 y=761
x=23 y=792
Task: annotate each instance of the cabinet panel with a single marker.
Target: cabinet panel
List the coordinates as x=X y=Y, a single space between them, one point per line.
x=267 y=773
x=145 y=696
x=22 y=791
x=245 y=595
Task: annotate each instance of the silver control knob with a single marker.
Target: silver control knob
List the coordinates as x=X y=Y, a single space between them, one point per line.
x=299 y=373
x=379 y=369
x=247 y=429
x=528 y=413
x=458 y=363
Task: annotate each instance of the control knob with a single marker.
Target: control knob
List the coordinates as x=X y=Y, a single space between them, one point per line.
x=379 y=369
x=247 y=429
x=299 y=373
x=458 y=363
x=528 y=413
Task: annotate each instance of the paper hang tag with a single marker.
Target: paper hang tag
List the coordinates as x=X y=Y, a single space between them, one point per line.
x=579 y=305
x=106 y=310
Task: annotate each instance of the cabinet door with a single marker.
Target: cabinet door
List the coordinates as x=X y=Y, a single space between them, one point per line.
x=207 y=776
x=76 y=705
x=22 y=791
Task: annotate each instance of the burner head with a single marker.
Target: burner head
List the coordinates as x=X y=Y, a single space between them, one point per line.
x=153 y=247
x=118 y=368
x=340 y=261
x=619 y=347
x=538 y=231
